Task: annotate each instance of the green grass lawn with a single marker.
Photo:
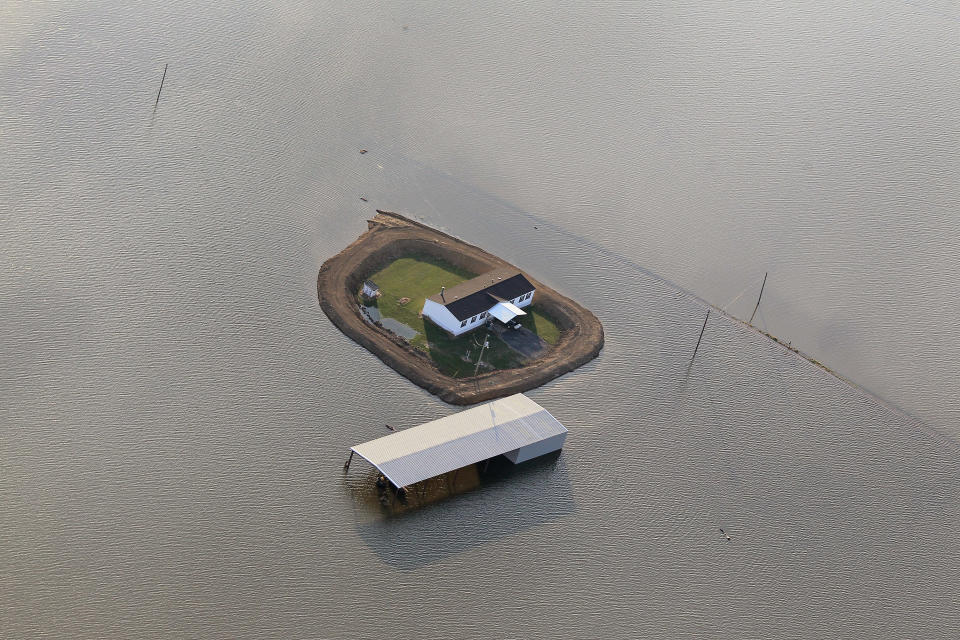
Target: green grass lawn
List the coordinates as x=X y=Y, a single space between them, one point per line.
x=418 y=277
x=540 y=323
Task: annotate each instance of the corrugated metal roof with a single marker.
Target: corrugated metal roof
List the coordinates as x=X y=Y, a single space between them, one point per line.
x=463 y=438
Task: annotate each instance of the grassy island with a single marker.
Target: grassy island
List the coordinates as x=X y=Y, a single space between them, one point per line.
x=408 y=262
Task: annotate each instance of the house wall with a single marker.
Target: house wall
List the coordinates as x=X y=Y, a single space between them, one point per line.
x=553 y=443
x=470 y=326
x=439 y=315
x=527 y=302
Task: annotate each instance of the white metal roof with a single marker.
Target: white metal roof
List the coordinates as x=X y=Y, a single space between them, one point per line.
x=506 y=311
x=460 y=439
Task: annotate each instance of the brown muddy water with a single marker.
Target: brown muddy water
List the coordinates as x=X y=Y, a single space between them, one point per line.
x=176 y=409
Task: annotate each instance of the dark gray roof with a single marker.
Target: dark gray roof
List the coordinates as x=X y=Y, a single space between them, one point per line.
x=478 y=294
x=372 y=285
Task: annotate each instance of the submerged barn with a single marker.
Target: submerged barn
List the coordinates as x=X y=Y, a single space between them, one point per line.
x=515 y=427
x=499 y=294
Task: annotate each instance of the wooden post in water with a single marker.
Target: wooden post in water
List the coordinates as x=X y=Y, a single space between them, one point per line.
x=161 y=87
x=702 y=329
x=758 y=299
x=346 y=465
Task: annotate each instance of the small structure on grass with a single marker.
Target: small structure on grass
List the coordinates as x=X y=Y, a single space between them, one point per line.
x=499 y=294
x=515 y=427
x=370 y=290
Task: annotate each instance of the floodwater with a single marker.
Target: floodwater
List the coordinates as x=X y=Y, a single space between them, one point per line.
x=176 y=409
x=395 y=326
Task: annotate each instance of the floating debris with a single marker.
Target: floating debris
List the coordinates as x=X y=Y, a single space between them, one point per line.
x=362 y=151
x=362 y=198
x=725 y=534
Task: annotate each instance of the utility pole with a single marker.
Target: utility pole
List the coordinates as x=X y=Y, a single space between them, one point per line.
x=161 y=87
x=758 y=299
x=486 y=344
x=702 y=329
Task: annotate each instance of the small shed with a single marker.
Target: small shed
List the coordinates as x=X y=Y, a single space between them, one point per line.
x=515 y=427
x=370 y=290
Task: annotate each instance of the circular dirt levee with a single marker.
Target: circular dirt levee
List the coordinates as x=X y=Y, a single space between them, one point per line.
x=391 y=236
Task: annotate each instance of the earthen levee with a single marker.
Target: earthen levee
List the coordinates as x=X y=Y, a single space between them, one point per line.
x=390 y=236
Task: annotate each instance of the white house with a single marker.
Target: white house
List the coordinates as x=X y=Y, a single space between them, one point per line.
x=500 y=294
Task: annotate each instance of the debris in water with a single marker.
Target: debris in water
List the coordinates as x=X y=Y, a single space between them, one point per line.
x=725 y=534
x=362 y=198
x=362 y=151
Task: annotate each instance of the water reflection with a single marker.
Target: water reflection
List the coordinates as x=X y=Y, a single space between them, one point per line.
x=372 y=314
x=461 y=510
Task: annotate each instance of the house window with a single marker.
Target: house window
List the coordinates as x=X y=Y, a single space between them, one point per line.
x=473 y=319
x=463 y=324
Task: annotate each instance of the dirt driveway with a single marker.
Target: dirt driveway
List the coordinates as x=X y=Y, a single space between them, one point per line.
x=522 y=340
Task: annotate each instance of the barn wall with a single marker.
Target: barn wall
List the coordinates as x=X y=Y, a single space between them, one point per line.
x=554 y=443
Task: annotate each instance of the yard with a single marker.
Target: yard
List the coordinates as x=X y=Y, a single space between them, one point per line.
x=406 y=282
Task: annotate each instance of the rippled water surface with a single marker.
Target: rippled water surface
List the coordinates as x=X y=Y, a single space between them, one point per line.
x=176 y=409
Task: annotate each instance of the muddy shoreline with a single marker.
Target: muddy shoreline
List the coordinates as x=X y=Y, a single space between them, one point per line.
x=390 y=236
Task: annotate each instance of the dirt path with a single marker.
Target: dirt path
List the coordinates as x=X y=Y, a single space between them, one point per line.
x=391 y=236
